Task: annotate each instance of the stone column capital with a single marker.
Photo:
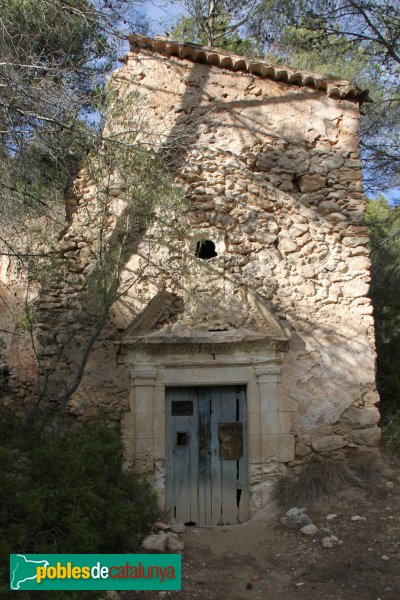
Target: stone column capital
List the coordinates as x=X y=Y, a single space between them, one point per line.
x=145 y=372
x=268 y=373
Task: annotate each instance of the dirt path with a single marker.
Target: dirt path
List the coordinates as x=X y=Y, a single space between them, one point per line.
x=263 y=560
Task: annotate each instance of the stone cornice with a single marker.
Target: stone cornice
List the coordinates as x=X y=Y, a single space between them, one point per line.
x=174 y=347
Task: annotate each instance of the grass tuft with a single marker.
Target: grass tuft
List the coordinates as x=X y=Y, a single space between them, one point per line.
x=319 y=478
x=391 y=432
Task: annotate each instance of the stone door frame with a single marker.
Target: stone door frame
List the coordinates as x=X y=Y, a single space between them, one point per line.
x=256 y=365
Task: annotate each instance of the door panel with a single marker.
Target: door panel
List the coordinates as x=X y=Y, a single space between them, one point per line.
x=182 y=454
x=206 y=461
x=229 y=467
x=204 y=476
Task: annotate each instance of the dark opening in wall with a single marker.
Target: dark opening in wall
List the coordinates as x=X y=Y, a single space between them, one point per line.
x=205 y=249
x=182 y=438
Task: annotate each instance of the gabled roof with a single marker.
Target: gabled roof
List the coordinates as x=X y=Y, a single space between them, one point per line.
x=223 y=59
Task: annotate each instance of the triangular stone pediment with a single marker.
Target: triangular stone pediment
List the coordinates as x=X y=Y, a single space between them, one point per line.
x=168 y=319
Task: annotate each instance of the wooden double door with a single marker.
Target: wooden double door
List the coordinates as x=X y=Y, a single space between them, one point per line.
x=206 y=455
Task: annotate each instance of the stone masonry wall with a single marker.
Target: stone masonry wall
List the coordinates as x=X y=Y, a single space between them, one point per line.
x=274 y=169
x=271 y=173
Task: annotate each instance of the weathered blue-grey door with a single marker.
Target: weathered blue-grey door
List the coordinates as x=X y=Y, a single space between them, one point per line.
x=206 y=455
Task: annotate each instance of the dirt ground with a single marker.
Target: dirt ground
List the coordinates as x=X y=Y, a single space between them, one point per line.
x=264 y=560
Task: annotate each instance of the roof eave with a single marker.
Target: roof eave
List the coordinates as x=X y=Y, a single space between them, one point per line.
x=217 y=57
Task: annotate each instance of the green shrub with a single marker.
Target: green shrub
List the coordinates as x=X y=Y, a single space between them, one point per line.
x=63 y=490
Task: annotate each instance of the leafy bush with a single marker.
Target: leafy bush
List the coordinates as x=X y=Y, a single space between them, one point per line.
x=64 y=491
x=383 y=221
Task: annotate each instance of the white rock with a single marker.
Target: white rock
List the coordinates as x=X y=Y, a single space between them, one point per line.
x=359 y=263
x=286 y=245
x=331 y=516
x=355 y=289
x=309 y=530
x=298 y=229
x=358 y=518
x=177 y=527
x=307 y=271
x=327 y=542
x=155 y=542
x=174 y=544
x=296 y=518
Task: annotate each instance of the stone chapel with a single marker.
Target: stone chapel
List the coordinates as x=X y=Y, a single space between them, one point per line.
x=260 y=352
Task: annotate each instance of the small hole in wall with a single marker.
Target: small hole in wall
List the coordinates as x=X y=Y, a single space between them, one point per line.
x=205 y=249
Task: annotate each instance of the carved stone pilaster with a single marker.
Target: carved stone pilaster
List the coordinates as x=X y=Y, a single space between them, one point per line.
x=143 y=374
x=269 y=373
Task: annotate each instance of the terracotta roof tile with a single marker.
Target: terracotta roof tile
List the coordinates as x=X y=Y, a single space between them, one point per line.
x=336 y=88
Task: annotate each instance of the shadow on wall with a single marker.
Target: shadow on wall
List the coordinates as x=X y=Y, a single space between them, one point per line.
x=198 y=114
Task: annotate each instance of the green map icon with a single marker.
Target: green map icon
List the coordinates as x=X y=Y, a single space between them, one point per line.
x=24 y=569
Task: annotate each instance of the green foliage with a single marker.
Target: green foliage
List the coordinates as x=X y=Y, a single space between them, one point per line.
x=384 y=226
x=301 y=48
x=218 y=23
x=359 y=41
x=50 y=58
x=187 y=29
x=64 y=491
x=55 y=54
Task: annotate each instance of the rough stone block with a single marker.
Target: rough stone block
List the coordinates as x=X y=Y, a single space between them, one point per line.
x=359 y=263
x=302 y=449
x=311 y=183
x=355 y=289
x=361 y=417
x=286 y=245
x=328 y=206
x=371 y=398
x=366 y=437
x=328 y=443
